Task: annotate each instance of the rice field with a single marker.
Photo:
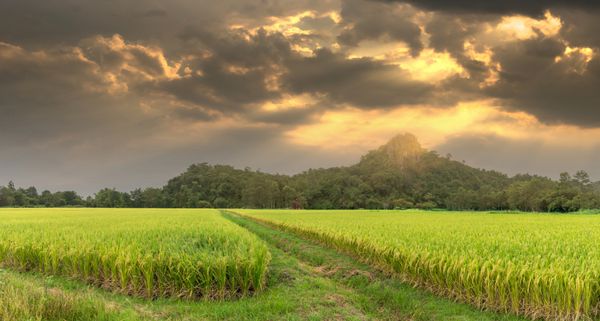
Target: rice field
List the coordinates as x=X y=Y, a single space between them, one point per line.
x=143 y=252
x=536 y=265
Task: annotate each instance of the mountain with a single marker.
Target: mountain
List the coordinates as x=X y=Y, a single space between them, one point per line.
x=398 y=174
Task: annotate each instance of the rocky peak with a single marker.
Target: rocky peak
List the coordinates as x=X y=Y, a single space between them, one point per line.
x=403 y=149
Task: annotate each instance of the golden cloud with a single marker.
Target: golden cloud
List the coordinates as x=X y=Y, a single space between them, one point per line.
x=360 y=129
x=523 y=28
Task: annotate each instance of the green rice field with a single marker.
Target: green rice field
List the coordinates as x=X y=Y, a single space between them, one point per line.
x=538 y=265
x=205 y=264
x=151 y=253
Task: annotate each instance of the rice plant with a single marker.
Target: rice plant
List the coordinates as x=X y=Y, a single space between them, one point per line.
x=537 y=265
x=151 y=253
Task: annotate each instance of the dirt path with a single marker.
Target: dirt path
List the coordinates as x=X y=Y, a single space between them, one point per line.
x=363 y=292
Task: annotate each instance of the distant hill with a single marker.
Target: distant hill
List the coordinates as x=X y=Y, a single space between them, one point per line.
x=399 y=174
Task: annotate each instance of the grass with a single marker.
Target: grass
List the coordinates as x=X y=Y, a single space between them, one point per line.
x=529 y=264
x=304 y=281
x=22 y=298
x=151 y=253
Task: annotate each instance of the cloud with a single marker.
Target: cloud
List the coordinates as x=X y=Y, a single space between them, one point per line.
x=232 y=72
x=449 y=32
x=35 y=24
x=127 y=64
x=239 y=70
x=121 y=90
x=362 y=82
x=41 y=91
x=506 y=7
x=540 y=77
x=580 y=27
x=63 y=127
x=369 y=20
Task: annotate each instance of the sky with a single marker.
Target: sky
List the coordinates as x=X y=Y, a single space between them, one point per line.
x=128 y=93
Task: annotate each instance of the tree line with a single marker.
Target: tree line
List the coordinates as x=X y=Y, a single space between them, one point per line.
x=398 y=175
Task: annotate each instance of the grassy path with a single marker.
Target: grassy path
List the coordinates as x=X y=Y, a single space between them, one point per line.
x=363 y=289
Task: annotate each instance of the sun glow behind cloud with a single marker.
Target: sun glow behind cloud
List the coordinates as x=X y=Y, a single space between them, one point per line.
x=522 y=28
x=353 y=128
x=429 y=65
x=358 y=128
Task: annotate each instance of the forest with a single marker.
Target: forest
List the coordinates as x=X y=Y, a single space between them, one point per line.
x=398 y=175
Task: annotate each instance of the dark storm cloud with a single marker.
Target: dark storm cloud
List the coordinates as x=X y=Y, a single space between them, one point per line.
x=220 y=89
x=239 y=47
x=532 y=80
x=504 y=7
x=369 y=20
x=240 y=67
x=237 y=71
x=36 y=24
x=580 y=27
x=363 y=82
x=234 y=72
x=448 y=33
x=318 y=24
x=535 y=75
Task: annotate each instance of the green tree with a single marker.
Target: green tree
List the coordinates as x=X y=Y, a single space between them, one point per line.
x=109 y=197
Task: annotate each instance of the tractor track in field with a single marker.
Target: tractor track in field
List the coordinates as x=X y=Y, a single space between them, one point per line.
x=343 y=297
x=368 y=294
